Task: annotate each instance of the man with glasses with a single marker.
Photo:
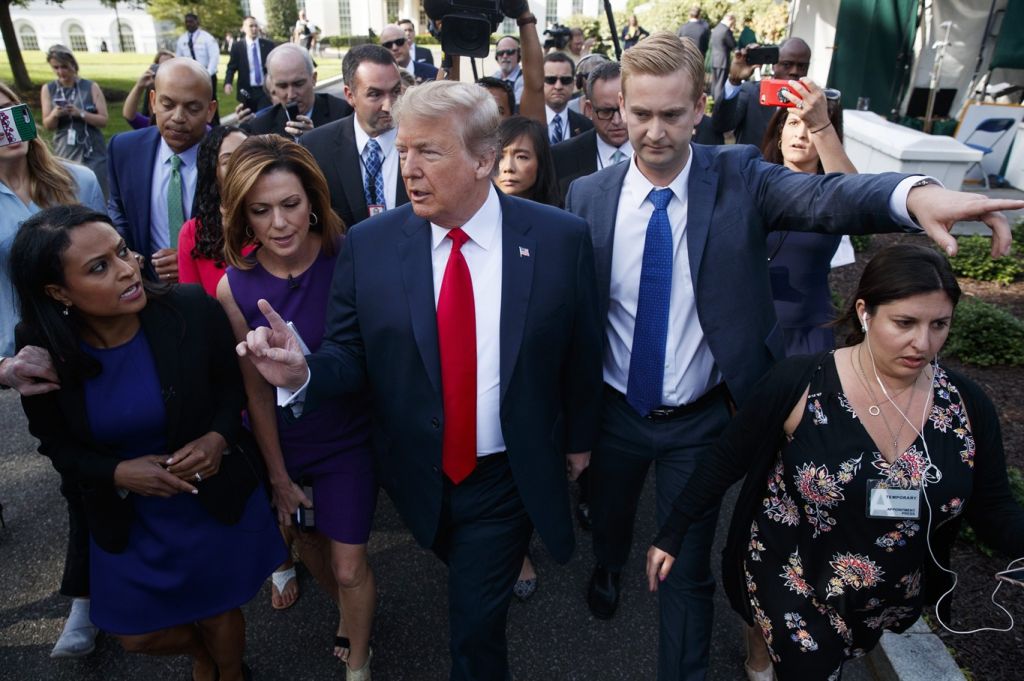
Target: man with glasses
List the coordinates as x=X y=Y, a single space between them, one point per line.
x=739 y=109
x=559 y=76
x=608 y=143
x=507 y=54
x=393 y=39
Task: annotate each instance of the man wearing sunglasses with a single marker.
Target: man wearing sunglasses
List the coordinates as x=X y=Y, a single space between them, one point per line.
x=393 y=39
x=608 y=143
x=559 y=76
x=740 y=109
x=507 y=54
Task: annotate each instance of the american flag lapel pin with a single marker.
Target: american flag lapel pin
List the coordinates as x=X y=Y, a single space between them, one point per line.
x=524 y=252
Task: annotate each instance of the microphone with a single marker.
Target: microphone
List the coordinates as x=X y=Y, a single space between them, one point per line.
x=292 y=283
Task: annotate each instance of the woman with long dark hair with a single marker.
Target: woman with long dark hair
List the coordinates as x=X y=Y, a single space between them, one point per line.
x=201 y=240
x=147 y=424
x=860 y=464
x=525 y=168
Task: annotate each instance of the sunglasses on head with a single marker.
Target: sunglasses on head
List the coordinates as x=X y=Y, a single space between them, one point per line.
x=397 y=42
x=505 y=53
x=564 y=80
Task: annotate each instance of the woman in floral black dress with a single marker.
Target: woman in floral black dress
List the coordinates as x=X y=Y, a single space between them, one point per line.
x=880 y=450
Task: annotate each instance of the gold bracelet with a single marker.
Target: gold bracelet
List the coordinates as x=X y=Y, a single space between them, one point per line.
x=821 y=128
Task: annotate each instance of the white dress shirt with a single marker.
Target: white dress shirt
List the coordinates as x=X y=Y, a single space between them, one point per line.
x=253 y=68
x=605 y=152
x=516 y=78
x=566 y=132
x=159 y=232
x=388 y=166
x=690 y=369
x=483 y=256
x=206 y=47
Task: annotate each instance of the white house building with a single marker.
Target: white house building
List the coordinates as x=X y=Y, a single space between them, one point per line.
x=84 y=26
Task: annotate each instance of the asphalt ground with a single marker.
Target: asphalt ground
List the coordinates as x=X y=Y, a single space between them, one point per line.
x=551 y=637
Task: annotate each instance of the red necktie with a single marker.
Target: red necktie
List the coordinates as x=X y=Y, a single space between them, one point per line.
x=456 y=335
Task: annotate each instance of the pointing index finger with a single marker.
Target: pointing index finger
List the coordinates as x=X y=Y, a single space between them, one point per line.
x=276 y=323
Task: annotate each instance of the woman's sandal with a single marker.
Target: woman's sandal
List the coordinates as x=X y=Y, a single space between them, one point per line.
x=280 y=579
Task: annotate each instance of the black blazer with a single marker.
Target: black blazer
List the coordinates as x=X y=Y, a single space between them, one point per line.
x=326 y=109
x=238 y=63
x=193 y=348
x=334 y=148
x=423 y=54
x=381 y=338
x=578 y=123
x=575 y=157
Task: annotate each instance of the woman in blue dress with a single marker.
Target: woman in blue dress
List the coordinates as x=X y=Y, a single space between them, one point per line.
x=807 y=139
x=147 y=423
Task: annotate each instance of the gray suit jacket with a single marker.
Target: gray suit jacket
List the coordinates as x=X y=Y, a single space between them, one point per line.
x=735 y=199
x=722 y=45
x=698 y=32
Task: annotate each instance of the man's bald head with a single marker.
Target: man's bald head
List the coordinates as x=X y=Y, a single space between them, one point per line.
x=182 y=101
x=393 y=38
x=794 y=59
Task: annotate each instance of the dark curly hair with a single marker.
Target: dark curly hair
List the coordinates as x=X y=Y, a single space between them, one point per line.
x=209 y=228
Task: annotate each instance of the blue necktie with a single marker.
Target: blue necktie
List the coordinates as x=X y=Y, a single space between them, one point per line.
x=647 y=356
x=254 y=64
x=556 y=130
x=373 y=185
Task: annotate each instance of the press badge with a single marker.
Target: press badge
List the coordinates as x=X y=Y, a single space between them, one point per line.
x=375 y=209
x=889 y=502
x=72 y=137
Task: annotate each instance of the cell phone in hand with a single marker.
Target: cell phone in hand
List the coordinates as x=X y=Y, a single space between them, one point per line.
x=776 y=92
x=292 y=110
x=1012 y=576
x=60 y=101
x=305 y=518
x=16 y=125
x=766 y=54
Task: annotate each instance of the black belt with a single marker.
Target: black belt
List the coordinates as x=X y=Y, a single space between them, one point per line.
x=667 y=413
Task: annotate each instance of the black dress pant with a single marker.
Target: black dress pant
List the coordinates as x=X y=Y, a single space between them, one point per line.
x=483 y=538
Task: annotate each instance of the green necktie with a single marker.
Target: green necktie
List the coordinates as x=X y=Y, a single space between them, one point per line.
x=175 y=211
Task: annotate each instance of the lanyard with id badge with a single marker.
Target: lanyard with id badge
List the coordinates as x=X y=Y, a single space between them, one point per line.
x=892 y=503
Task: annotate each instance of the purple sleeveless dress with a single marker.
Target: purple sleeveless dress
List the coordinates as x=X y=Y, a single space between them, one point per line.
x=329 y=447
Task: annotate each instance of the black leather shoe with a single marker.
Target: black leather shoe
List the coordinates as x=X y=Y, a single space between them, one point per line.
x=583 y=516
x=603 y=594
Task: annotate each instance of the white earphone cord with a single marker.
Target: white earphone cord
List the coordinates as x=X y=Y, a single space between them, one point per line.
x=936 y=475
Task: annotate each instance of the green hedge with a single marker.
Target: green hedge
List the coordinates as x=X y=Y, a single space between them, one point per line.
x=985 y=335
x=974 y=260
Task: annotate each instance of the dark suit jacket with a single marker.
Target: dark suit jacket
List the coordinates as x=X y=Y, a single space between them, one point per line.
x=743 y=114
x=575 y=157
x=130 y=159
x=326 y=108
x=423 y=54
x=698 y=32
x=578 y=123
x=238 y=63
x=735 y=199
x=424 y=71
x=382 y=338
x=722 y=45
x=334 y=148
x=193 y=349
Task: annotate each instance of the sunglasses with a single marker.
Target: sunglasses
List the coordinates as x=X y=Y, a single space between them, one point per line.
x=564 y=80
x=397 y=42
x=505 y=53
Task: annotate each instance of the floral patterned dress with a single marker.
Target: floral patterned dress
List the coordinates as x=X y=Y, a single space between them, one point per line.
x=824 y=578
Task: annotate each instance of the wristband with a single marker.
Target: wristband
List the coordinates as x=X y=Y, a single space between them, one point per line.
x=526 y=20
x=813 y=132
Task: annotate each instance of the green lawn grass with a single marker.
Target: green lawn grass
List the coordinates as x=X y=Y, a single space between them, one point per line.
x=119 y=72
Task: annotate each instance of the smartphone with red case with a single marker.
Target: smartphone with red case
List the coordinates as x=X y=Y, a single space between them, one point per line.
x=775 y=92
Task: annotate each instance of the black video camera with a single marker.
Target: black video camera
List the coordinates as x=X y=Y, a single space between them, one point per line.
x=465 y=25
x=558 y=37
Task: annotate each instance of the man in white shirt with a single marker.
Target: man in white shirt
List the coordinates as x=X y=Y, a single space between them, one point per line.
x=477 y=337
x=689 y=323
x=559 y=83
x=198 y=44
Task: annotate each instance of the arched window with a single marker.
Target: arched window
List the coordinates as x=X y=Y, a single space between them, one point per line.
x=127 y=37
x=27 y=37
x=76 y=38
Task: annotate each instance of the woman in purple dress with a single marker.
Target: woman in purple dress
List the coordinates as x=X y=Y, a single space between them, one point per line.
x=276 y=198
x=147 y=423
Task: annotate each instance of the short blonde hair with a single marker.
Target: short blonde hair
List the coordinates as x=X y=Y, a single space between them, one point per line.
x=442 y=99
x=662 y=54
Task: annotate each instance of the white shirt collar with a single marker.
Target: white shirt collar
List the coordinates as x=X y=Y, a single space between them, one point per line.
x=605 y=151
x=636 y=187
x=188 y=157
x=481 y=229
x=386 y=140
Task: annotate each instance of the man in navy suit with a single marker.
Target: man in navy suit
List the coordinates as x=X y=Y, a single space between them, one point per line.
x=153 y=170
x=681 y=263
x=393 y=39
x=471 y=319
x=249 y=60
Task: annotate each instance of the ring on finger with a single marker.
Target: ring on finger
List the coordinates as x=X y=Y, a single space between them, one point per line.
x=199 y=478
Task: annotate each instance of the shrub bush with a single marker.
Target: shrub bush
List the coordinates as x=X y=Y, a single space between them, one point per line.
x=985 y=335
x=974 y=260
x=860 y=242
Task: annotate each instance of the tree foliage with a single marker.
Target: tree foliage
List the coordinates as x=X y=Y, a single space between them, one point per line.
x=281 y=18
x=217 y=17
